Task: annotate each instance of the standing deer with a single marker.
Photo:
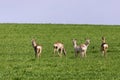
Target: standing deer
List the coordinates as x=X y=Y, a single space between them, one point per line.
x=59 y=47
x=37 y=48
x=104 y=46
x=76 y=47
x=82 y=49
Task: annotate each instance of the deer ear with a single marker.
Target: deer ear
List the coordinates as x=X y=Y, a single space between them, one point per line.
x=103 y=37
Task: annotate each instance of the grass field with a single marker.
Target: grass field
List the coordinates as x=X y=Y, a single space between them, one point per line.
x=17 y=60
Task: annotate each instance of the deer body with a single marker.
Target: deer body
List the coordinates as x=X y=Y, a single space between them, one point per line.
x=104 y=46
x=81 y=49
x=37 y=49
x=59 y=47
x=76 y=47
x=84 y=47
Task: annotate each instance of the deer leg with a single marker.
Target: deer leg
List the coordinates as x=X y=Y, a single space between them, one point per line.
x=35 y=55
x=54 y=51
x=64 y=51
x=76 y=53
x=61 y=50
x=82 y=54
x=103 y=53
x=58 y=50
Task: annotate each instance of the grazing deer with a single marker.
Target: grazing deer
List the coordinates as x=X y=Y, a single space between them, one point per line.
x=37 y=48
x=82 y=49
x=59 y=47
x=104 y=46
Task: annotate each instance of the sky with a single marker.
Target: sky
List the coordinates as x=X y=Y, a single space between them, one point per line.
x=60 y=11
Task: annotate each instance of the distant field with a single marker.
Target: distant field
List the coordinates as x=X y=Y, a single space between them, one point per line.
x=17 y=60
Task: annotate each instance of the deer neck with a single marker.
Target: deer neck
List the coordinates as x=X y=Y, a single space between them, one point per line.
x=34 y=44
x=103 y=41
x=75 y=44
x=87 y=44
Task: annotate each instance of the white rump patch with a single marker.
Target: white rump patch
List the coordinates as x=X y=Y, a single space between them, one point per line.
x=105 y=45
x=39 y=47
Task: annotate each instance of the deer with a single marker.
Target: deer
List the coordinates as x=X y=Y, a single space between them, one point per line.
x=76 y=47
x=104 y=47
x=82 y=49
x=59 y=48
x=37 y=48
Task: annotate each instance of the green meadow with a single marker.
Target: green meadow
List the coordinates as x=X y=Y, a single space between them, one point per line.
x=17 y=59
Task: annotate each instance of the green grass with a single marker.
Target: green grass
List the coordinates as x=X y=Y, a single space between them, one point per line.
x=17 y=60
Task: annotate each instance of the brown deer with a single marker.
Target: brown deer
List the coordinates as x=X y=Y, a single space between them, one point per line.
x=76 y=47
x=37 y=49
x=104 y=46
x=82 y=49
x=59 y=48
